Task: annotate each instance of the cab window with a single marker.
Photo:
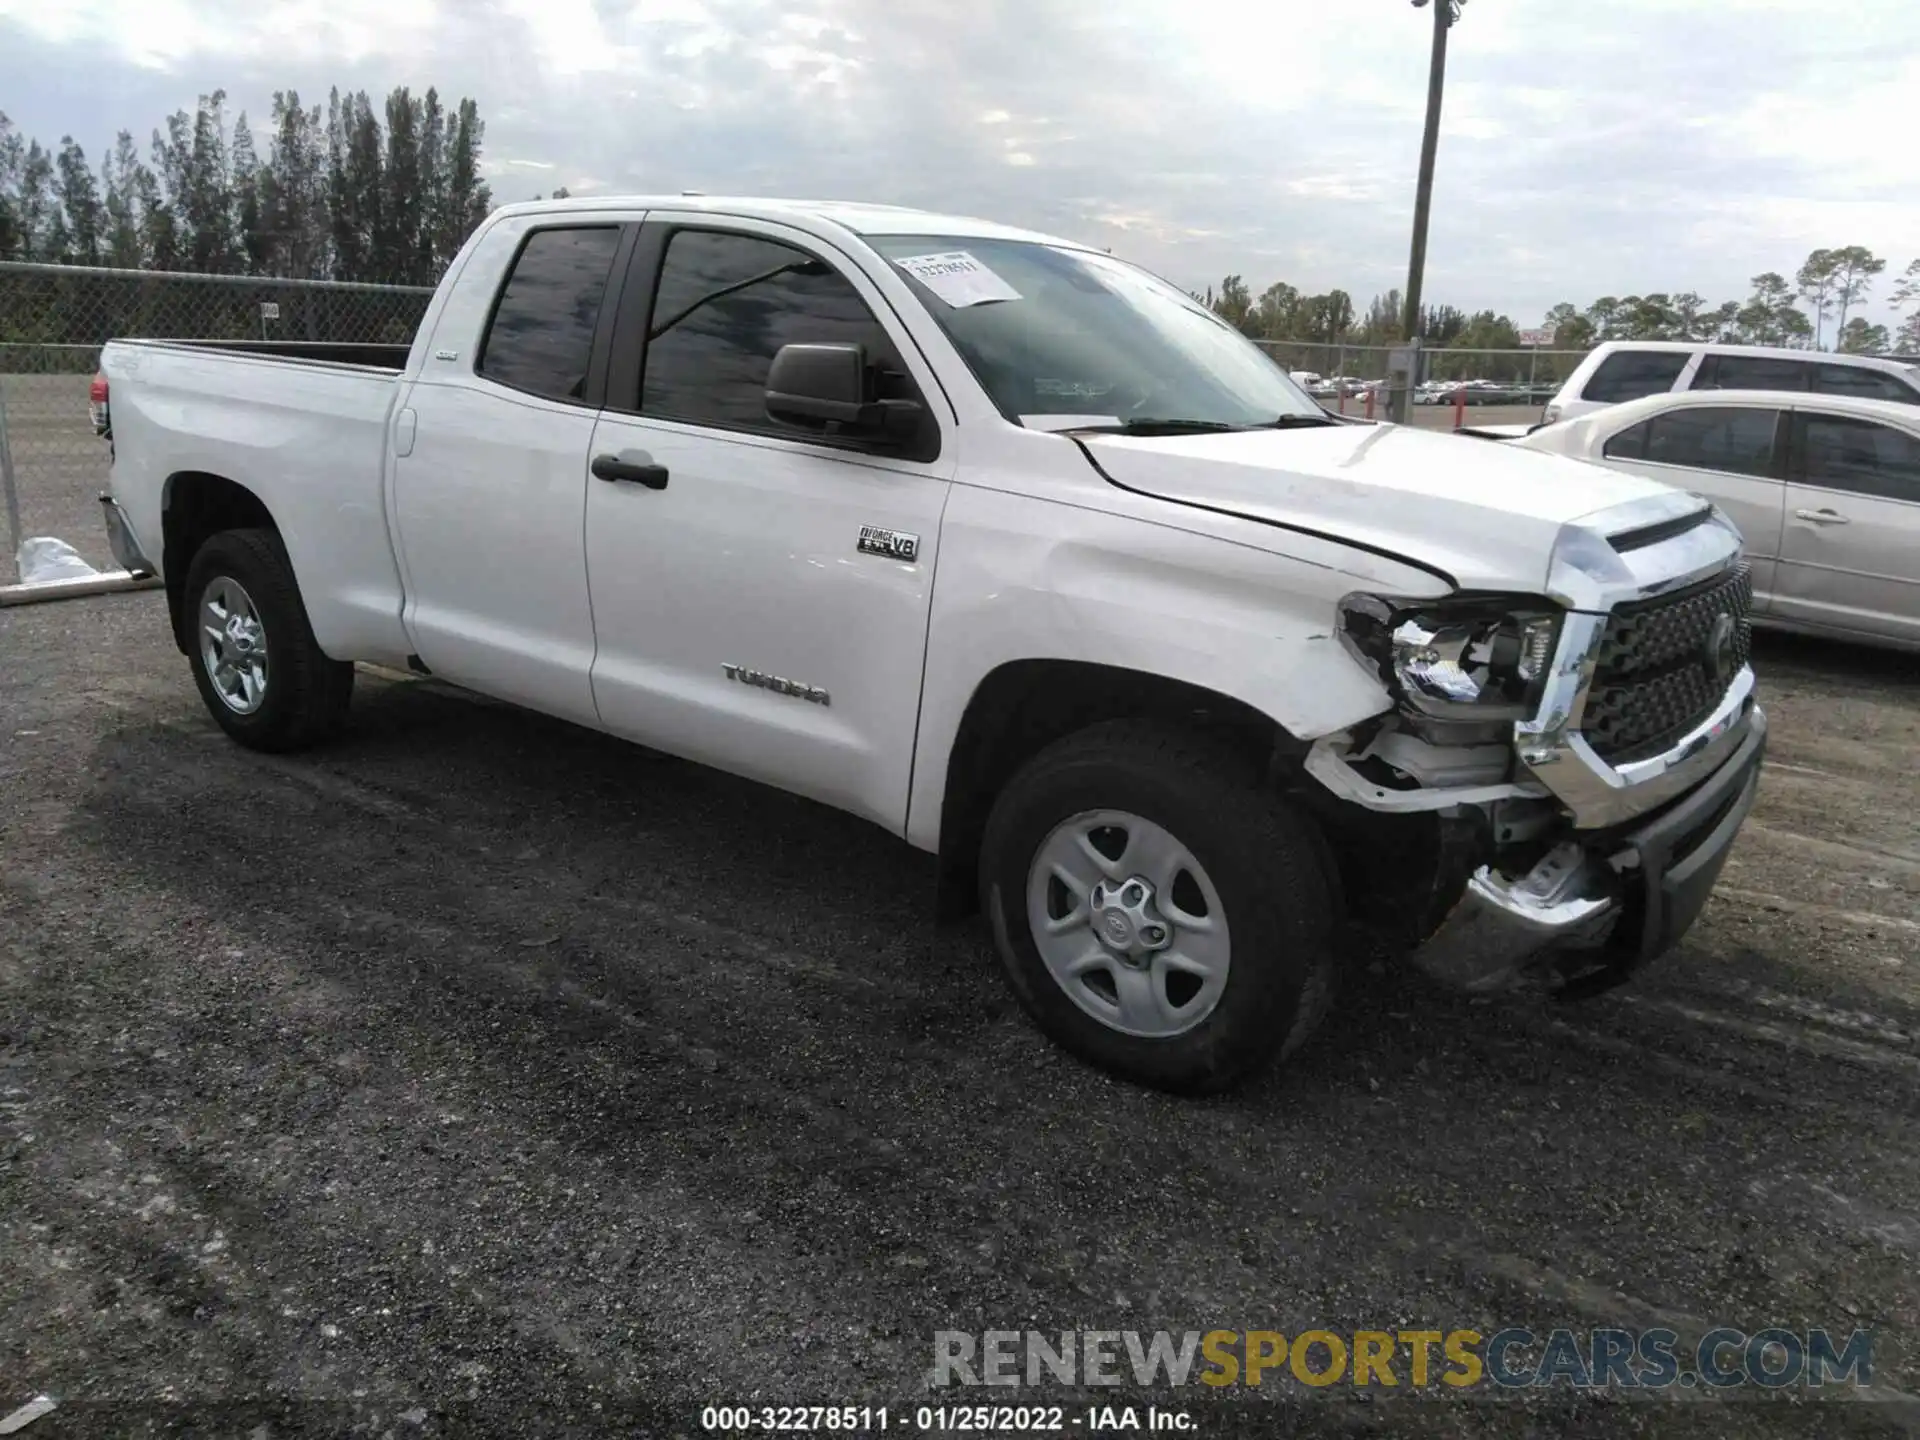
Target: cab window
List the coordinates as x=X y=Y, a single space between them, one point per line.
x=540 y=338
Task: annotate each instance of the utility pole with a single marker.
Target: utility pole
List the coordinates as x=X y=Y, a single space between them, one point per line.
x=1445 y=12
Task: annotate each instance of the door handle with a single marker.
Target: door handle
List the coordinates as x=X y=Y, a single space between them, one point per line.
x=638 y=472
x=1821 y=517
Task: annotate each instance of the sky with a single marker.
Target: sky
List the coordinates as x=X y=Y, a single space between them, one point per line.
x=1585 y=149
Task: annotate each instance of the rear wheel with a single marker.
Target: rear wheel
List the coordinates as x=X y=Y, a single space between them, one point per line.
x=1159 y=913
x=260 y=672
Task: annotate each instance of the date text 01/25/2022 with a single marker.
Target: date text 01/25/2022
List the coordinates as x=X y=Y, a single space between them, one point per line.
x=946 y=1419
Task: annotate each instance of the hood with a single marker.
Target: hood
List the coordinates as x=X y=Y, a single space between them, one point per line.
x=1484 y=512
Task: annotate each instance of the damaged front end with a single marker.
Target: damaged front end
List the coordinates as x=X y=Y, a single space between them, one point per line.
x=1554 y=793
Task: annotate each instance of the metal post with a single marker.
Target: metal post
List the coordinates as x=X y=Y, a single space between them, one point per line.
x=1423 y=188
x=6 y=484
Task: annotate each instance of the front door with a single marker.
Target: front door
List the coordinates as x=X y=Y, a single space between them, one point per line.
x=1850 y=552
x=761 y=593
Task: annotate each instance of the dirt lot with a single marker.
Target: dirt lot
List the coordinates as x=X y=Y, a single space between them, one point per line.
x=480 y=1075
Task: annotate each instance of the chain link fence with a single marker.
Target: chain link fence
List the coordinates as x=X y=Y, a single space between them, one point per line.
x=1531 y=371
x=55 y=318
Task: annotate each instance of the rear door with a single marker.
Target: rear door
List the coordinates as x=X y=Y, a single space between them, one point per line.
x=1732 y=454
x=1850 y=552
x=490 y=476
x=760 y=591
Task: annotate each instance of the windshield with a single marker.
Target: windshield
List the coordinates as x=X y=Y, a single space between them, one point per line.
x=1064 y=337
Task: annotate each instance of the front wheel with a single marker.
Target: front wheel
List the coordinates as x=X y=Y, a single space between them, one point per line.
x=260 y=672
x=1158 y=912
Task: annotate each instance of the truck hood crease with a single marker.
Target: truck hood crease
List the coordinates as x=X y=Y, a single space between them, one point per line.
x=1482 y=516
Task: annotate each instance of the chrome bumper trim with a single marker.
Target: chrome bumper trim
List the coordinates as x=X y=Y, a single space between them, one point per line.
x=125 y=545
x=1622 y=903
x=1599 y=795
x=1568 y=901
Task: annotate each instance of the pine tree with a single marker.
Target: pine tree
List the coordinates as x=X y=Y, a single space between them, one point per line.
x=209 y=214
x=80 y=200
x=163 y=207
x=433 y=186
x=13 y=158
x=467 y=197
x=339 y=247
x=397 y=236
x=41 y=229
x=354 y=188
x=348 y=198
x=121 y=179
x=293 y=200
x=159 y=226
x=255 y=244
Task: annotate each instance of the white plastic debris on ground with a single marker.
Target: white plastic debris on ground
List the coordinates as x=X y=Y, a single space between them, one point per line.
x=27 y=1414
x=44 y=559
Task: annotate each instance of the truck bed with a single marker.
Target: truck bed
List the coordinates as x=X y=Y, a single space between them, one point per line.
x=304 y=428
x=365 y=356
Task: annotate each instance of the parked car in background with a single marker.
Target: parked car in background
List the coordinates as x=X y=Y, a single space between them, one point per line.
x=1473 y=392
x=1825 y=488
x=1623 y=370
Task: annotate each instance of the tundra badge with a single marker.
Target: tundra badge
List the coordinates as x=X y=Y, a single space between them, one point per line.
x=761 y=680
x=889 y=544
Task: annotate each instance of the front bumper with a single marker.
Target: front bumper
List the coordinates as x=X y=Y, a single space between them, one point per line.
x=1616 y=899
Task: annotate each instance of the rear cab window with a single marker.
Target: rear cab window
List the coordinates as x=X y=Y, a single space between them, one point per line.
x=1634 y=374
x=541 y=334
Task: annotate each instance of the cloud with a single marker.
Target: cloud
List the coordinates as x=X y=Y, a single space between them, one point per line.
x=1652 y=145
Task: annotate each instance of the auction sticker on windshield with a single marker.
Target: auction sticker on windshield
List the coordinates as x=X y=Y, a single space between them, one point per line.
x=957 y=278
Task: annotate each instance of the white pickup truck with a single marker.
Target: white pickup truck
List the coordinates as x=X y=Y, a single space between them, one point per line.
x=1004 y=545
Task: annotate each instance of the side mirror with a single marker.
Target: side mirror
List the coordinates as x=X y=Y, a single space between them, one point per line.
x=831 y=387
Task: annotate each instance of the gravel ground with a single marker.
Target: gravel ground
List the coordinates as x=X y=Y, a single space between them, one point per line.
x=481 y=1075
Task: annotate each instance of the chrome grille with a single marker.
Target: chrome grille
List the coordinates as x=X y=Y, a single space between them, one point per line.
x=1656 y=677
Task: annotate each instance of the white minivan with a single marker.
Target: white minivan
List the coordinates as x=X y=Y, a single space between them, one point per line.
x=1630 y=369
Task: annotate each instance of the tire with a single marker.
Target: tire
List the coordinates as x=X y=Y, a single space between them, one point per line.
x=1259 y=857
x=305 y=694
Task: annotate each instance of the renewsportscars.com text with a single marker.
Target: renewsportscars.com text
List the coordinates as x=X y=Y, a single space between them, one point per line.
x=1605 y=1358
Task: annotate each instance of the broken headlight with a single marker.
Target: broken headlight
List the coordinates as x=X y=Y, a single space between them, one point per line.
x=1463 y=659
